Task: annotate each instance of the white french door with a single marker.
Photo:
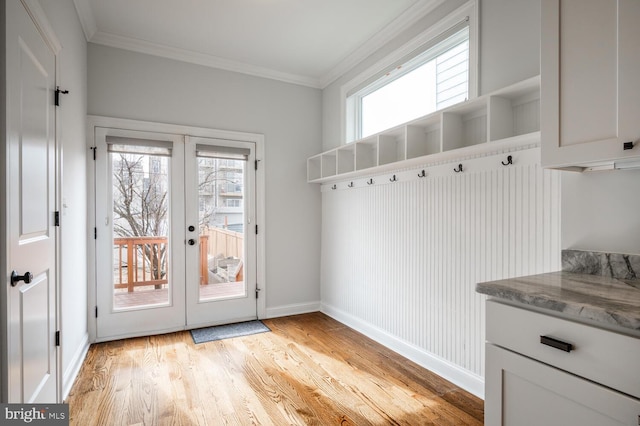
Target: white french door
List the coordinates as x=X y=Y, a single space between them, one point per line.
x=171 y=247
x=139 y=233
x=221 y=272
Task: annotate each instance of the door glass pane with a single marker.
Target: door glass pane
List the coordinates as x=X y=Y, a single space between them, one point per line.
x=140 y=185
x=221 y=207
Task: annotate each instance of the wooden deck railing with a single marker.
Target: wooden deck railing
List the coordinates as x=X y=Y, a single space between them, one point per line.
x=142 y=261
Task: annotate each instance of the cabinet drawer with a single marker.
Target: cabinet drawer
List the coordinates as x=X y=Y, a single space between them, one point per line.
x=599 y=355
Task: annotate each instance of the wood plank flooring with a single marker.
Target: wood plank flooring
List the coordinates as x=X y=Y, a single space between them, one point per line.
x=310 y=370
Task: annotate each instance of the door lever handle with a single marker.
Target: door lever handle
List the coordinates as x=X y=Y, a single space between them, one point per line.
x=15 y=278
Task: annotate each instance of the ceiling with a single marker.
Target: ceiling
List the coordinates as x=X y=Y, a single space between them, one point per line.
x=307 y=42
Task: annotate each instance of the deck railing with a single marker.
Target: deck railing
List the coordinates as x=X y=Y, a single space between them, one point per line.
x=143 y=261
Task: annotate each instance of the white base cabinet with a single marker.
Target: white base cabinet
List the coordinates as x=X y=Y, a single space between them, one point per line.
x=589 y=376
x=522 y=391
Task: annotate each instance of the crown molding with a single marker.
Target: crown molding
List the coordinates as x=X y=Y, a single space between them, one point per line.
x=87 y=20
x=142 y=46
x=397 y=26
x=409 y=17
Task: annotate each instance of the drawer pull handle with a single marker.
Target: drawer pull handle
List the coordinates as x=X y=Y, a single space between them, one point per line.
x=555 y=343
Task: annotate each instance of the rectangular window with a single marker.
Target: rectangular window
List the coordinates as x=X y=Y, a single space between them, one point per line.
x=435 y=71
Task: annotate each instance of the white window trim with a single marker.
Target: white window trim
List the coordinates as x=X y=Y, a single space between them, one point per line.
x=469 y=9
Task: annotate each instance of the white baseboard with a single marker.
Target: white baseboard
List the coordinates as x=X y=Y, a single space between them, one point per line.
x=73 y=369
x=294 y=309
x=445 y=369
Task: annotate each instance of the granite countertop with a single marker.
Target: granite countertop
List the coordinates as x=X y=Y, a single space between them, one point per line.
x=605 y=300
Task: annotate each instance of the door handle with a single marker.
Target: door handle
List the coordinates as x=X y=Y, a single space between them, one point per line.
x=555 y=343
x=192 y=242
x=15 y=278
x=192 y=228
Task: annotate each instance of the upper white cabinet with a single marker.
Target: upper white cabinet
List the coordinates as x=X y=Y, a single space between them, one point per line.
x=590 y=89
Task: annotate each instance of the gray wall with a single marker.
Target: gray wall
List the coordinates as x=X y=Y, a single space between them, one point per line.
x=71 y=125
x=136 y=86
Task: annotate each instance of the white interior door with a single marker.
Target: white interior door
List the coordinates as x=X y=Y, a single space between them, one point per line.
x=140 y=244
x=31 y=233
x=220 y=212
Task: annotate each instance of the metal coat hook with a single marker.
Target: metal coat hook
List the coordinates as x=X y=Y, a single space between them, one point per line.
x=393 y=179
x=370 y=181
x=509 y=161
x=350 y=185
x=334 y=187
x=422 y=174
x=459 y=169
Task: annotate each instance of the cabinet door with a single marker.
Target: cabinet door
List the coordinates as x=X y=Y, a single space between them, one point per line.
x=590 y=68
x=521 y=391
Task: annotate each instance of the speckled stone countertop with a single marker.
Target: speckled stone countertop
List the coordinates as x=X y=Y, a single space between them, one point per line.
x=605 y=300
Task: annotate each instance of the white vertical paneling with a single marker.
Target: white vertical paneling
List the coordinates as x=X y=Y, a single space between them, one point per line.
x=404 y=257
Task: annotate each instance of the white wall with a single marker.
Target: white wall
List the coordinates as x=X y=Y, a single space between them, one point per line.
x=136 y=86
x=601 y=211
x=71 y=123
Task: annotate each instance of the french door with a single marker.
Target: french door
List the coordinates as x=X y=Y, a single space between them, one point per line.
x=171 y=247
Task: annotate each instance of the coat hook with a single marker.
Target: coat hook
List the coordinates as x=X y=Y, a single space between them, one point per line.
x=459 y=169
x=370 y=181
x=334 y=187
x=393 y=179
x=509 y=161
x=350 y=185
x=422 y=174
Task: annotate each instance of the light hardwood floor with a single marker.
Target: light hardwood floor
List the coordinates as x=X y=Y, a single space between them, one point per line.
x=310 y=370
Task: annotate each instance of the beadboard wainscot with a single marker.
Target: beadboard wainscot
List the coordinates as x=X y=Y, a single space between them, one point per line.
x=404 y=242
x=403 y=250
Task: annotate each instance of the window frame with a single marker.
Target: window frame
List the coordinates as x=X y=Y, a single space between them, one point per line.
x=351 y=115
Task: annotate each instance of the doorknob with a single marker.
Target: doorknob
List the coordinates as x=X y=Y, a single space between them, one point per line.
x=192 y=242
x=192 y=228
x=27 y=278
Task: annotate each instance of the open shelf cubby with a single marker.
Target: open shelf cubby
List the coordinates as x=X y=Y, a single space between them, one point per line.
x=465 y=125
x=391 y=146
x=367 y=153
x=423 y=136
x=510 y=115
x=514 y=113
x=314 y=168
x=329 y=164
x=346 y=159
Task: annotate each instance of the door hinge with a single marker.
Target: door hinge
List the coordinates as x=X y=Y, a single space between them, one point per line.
x=96 y=312
x=58 y=338
x=256 y=229
x=94 y=149
x=95 y=233
x=57 y=95
x=56 y=219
